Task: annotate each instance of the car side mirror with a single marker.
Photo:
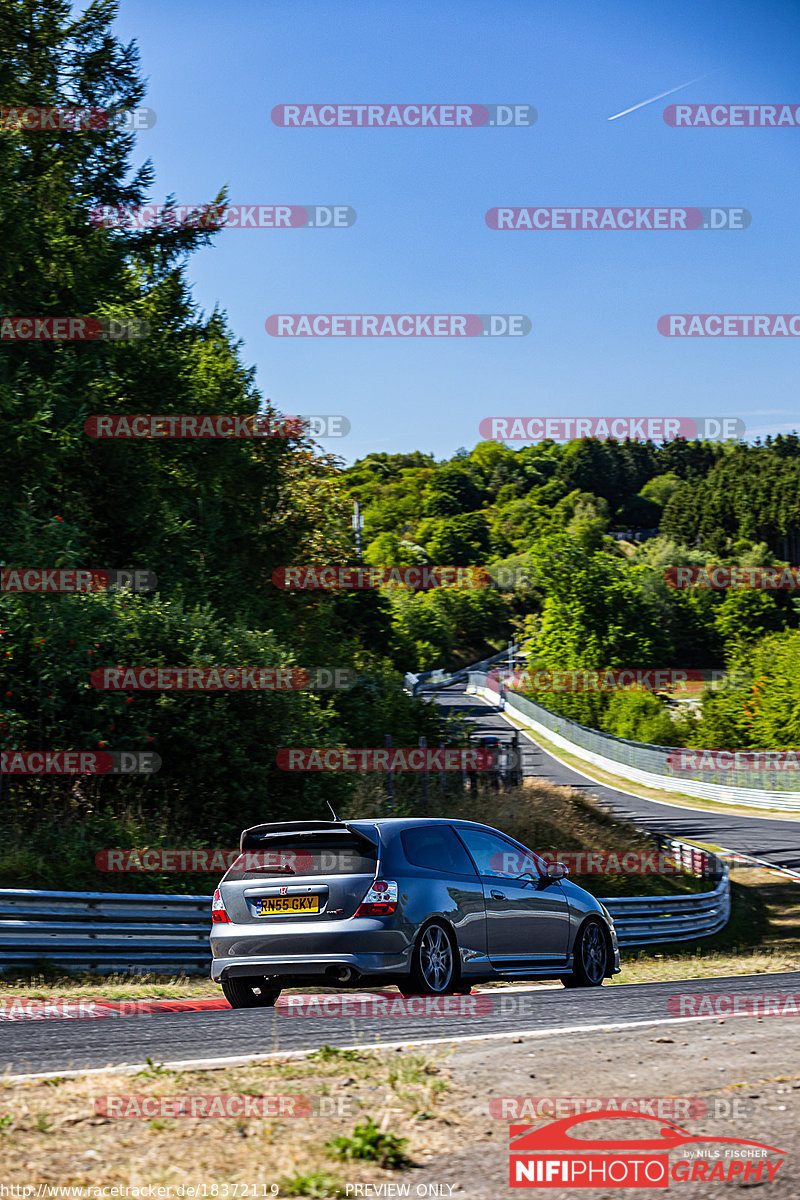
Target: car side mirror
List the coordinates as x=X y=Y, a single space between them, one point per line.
x=528 y=877
x=557 y=870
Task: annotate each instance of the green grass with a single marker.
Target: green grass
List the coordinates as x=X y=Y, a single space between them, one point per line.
x=334 y=1053
x=317 y=1184
x=152 y=1070
x=39 y=851
x=761 y=937
x=367 y=1142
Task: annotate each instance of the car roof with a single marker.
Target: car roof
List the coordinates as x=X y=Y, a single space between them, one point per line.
x=393 y=823
x=390 y=824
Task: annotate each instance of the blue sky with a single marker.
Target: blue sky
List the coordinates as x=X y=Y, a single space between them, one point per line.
x=420 y=243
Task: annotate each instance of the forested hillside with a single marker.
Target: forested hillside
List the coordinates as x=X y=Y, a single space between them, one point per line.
x=586 y=531
x=211 y=518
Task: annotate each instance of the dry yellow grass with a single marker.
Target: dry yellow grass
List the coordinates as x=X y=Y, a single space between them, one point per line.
x=656 y=968
x=50 y=1131
x=108 y=987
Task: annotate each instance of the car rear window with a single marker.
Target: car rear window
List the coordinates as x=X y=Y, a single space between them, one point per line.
x=436 y=848
x=316 y=855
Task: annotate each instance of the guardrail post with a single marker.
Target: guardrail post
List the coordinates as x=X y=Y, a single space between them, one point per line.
x=387 y=741
x=423 y=741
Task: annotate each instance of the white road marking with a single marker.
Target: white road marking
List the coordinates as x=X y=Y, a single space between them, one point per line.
x=244 y=1060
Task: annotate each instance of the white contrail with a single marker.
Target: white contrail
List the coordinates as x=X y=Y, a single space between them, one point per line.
x=660 y=96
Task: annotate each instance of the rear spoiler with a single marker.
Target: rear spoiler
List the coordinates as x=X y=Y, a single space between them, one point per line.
x=257 y=835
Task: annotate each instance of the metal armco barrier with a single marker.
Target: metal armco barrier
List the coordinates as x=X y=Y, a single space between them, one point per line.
x=643 y=921
x=431 y=680
x=110 y=933
x=636 y=761
x=105 y=932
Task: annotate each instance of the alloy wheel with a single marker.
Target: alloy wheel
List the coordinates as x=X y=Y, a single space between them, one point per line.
x=436 y=958
x=593 y=953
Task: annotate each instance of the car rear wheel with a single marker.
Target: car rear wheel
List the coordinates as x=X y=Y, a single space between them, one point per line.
x=249 y=991
x=435 y=967
x=591 y=957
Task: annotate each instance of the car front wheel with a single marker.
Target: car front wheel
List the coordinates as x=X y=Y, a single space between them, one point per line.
x=249 y=991
x=591 y=957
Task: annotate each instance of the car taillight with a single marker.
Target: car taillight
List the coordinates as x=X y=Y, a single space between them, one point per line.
x=380 y=900
x=218 y=914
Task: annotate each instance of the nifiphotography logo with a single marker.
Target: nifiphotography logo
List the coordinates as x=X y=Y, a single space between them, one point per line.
x=554 y=1156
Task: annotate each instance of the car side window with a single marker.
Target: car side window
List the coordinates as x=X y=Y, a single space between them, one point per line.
x=495 y=856
x=436 y=848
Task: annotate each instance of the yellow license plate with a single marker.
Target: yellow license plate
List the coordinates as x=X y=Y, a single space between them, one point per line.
x=287 y=904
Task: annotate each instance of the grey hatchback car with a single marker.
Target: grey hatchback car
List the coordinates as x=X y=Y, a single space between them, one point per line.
x=431 y=904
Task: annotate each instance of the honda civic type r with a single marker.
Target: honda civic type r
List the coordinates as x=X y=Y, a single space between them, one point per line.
x=430 y=904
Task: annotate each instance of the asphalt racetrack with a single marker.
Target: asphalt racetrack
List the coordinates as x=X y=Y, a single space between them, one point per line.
x=58 y=1045
x=775 y=840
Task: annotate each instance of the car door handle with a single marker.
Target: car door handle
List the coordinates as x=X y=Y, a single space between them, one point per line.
x=497 y=895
